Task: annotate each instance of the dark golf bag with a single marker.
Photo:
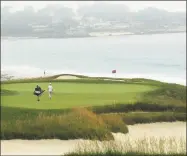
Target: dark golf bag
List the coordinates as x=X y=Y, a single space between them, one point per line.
x=38 y=93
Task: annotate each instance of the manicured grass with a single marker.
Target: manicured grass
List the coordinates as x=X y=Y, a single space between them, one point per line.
x=68 y=95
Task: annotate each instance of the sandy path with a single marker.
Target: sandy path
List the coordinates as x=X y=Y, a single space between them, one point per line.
x=59 y=147
x=67 y=77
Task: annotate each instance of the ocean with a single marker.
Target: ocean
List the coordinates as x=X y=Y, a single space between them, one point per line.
x=159 y=56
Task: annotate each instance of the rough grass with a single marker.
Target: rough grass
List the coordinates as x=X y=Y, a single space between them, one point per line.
x=115 y=123
x=138 y=106
x=167 y=94
x=147 y=146
x=132 y=118
x=13 y=114
x=79 y=123
x=72 y=124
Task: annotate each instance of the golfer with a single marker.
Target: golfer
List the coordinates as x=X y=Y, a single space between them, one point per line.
x=38 y=91
x=50 y=90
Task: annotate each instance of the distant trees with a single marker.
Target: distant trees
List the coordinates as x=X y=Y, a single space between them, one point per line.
x=21 y=22
x=59 y=19
x=105 y=11
x=6 y=77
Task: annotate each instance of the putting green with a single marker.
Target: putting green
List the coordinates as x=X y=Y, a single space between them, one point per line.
x=68 y=95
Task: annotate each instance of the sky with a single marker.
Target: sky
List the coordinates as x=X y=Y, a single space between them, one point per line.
x=133 y=5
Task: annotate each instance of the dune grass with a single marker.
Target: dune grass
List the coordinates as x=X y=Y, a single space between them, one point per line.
x=109 y=153
x=73 y=124
x=79 y=123
x=148 y=146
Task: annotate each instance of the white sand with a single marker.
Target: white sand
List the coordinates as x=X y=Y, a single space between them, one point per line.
x=59 y=147
x=160 y=130
x=67 y=77
x=113 y=80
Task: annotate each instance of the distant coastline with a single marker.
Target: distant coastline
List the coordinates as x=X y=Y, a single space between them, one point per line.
x=93 y=34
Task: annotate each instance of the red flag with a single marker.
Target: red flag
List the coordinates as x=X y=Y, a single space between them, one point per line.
x=113 y=71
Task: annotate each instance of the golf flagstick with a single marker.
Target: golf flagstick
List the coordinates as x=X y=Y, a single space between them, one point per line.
x=114 y=72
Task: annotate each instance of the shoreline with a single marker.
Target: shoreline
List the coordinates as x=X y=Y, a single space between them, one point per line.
x=90 y=36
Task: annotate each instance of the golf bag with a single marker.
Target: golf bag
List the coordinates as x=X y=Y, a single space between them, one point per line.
x=38 y=93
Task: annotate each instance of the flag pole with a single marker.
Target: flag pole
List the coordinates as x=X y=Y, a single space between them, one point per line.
x=114 y=72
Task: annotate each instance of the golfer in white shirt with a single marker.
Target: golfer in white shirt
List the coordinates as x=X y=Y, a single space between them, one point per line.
x=50 y=89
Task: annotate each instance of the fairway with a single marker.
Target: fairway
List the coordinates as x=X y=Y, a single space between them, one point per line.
x=68 y=95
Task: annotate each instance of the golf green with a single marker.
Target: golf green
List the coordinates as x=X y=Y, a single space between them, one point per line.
x=67 y=95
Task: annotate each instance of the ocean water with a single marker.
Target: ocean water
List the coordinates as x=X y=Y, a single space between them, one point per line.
x=160 y=57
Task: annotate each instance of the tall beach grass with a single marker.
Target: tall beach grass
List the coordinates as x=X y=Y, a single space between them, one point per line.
x=79 y=123
x=128 y=147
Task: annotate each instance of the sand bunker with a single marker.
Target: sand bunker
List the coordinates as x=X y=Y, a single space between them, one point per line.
x=112 y=80
x=59 y=147
x=67 y=77
x=158 y=130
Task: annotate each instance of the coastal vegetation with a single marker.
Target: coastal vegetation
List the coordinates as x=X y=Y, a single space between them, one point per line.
x=140 y=147
x=89 y=108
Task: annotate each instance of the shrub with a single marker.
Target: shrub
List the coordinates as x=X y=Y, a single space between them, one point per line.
x=115 y=123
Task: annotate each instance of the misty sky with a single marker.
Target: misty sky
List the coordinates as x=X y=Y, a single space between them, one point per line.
x=133 y=5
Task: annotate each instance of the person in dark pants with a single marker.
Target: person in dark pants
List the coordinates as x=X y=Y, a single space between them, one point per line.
x=38 y=91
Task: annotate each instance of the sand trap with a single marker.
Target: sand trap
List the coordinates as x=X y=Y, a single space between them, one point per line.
x=113 y=80
x=69 y=77
x=159 y=130
x=59 y=147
